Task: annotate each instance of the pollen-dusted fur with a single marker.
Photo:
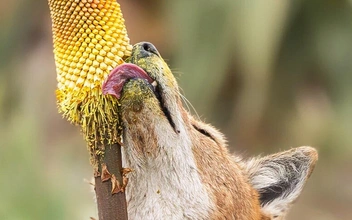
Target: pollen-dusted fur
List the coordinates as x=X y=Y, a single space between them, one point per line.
x=181 y=166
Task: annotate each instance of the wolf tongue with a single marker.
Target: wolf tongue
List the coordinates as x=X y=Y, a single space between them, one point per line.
x=116 y=79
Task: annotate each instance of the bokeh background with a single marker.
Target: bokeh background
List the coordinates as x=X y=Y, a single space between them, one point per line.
x=269 y=74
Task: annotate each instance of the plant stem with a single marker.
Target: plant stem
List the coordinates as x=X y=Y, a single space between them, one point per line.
x=111 y=206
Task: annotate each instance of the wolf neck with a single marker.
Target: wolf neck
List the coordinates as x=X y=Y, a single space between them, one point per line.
x=165 y=183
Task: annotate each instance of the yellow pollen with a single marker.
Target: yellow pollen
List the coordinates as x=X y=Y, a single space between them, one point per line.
x=90 y=39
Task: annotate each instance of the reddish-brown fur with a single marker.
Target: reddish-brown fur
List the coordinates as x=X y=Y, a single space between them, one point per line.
x=231 y=185
x=224 y=180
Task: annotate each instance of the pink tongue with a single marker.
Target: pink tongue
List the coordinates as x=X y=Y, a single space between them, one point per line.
x=116 y=79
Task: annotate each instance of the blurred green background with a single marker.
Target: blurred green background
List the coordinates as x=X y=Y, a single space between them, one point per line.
x=269 y=74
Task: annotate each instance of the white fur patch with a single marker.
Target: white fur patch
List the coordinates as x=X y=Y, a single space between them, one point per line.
x=165 y=186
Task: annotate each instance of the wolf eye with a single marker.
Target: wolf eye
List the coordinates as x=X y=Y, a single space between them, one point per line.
x=204 y=132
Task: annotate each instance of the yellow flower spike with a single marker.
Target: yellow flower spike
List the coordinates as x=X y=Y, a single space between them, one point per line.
x=90 y=39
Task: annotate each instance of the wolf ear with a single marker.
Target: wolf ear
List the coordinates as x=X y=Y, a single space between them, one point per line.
x=279 y=178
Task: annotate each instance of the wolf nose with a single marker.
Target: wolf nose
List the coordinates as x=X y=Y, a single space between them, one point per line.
x=148 y=49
